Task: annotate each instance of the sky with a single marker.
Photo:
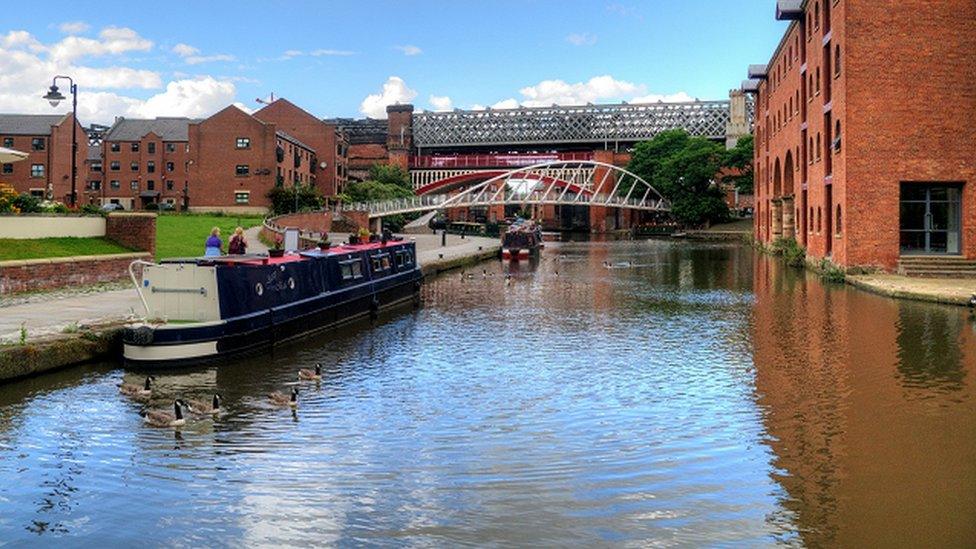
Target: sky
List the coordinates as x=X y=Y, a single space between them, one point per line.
x=351 y=59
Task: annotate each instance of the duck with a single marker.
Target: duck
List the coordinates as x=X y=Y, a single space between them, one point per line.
x=141 y=392
x=508 y=279
x=311 y=375
x=202 y=407
x=159 y=418
x=279 y=399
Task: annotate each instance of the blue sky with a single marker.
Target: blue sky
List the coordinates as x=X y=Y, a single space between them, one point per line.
x=330 y=57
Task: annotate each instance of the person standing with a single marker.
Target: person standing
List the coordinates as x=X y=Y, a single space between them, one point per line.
x=237 y=244
x=214 y=245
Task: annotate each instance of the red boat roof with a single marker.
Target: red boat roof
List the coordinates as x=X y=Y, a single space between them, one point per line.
x=301 y=256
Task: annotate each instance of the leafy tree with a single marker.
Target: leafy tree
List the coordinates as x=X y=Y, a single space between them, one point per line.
x=683 y=169
x=385 y=182
x=737 y=165
x=390 y=175
x=283 y=199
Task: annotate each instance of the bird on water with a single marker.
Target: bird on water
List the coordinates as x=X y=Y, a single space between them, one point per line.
x=277 y=398
x=311 y=375
x=139 y=392
x=160 y=418
x=202 y=407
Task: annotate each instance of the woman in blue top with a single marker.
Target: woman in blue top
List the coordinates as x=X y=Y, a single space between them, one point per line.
x=214 y=245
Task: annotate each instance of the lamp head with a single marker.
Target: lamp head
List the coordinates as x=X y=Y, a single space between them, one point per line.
x=54 y=96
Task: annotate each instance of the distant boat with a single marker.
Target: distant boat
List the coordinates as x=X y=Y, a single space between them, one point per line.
x=522 y=239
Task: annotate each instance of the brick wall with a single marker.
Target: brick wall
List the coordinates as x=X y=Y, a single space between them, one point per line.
x=143 y=178
x=133 y=230
x=47 y=274
x=315 y=133
x=319 y=222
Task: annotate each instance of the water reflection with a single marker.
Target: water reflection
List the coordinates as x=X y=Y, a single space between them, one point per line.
x=868 y=415
x=691 y=394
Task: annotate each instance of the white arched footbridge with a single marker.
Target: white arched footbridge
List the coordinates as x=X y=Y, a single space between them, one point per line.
x=564 y=183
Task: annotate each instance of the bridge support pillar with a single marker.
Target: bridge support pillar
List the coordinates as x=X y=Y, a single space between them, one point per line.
x=376 y=225
x=598 y=219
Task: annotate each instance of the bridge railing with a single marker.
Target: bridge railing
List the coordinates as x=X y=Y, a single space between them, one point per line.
x=494 y=160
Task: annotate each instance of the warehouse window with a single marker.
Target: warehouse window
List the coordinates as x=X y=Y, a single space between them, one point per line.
x=243 y=142
x=839 y=220
x=37 y=144
x=37 y=170
x=242 y=170
x=242 y=197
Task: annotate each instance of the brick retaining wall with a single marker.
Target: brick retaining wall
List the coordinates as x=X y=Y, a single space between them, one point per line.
x=133 y=230
x=45 y=274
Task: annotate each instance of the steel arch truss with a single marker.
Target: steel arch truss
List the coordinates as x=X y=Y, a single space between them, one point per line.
x=566 y=183
x=621 y=122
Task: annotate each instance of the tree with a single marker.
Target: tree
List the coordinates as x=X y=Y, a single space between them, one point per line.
x=284 y=199
x=385 y=182
x=683 y=169
x=737 y=165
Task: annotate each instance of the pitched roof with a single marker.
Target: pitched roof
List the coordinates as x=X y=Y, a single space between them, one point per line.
x=29 y=124
x=288 y=137
x=133 y=129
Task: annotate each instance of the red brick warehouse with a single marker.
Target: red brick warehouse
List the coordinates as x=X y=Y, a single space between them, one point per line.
x=866 y=130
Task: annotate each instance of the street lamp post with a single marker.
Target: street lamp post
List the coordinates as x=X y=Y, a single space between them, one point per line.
x=55 y=97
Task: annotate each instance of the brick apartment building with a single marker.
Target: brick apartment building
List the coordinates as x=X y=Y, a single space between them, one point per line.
x=144 y=161
x=325 y=139
x=866 y=130
x=46 y=173
x=236 y=158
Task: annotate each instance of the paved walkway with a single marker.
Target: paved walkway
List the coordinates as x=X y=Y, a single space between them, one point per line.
x=955 y=291
x=55 y=312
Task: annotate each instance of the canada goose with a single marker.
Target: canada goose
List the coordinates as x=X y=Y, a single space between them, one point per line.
x=202 y=407
x=311 y=375
x=278 y=398
x=508 y=279
x=159 y=418
x=141 y=392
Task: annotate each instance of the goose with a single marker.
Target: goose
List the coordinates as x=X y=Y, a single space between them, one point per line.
x=202 y=407
x=141 y=392
x=310 y=375
x=159 y=418
x=508 y=279
x=278 y=398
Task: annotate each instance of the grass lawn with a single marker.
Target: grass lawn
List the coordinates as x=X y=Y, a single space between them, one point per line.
x=183 y=235
x=11 y=248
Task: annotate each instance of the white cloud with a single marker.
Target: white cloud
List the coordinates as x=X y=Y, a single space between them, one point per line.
x=326 y=52
x=27 y=66
x=506 y=104
x=581 y=39
x=680 y=97
x=74 y=27
x=394 y=91
x=409 y=49
x=185 y=50
x=440 y=102
x=191 y=55
x=111 y=41
x=292 y=53
x=599 y=89
x=197 y=59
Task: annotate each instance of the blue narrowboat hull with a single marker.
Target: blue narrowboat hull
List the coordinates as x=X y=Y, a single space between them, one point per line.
x=288 y=317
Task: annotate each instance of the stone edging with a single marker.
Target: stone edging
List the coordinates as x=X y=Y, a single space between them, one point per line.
x=71 y=259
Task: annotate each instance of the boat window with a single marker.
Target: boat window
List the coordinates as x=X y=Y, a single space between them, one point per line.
x=381 y=262
x=351 y=269
x=403 y=258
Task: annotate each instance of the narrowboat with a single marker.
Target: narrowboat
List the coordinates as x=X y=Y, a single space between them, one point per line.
x=203 y=309
x=522 y=239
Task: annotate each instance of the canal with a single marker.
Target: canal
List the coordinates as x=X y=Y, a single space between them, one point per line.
x=690 y=394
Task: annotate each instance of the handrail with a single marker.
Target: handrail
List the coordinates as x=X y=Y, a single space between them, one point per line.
x=135 y=283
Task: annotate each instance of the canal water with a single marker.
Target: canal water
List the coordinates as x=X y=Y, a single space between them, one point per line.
x=691 y=394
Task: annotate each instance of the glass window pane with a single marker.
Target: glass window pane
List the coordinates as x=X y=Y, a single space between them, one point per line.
x=913 y=192
x=938 y=242
x=912 y=241
x=913 y=216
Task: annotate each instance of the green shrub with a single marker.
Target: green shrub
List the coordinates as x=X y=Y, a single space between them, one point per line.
x=152 y=207
x=793 y=254
x=27 y=203
x=92 y=209
x=831 y=272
